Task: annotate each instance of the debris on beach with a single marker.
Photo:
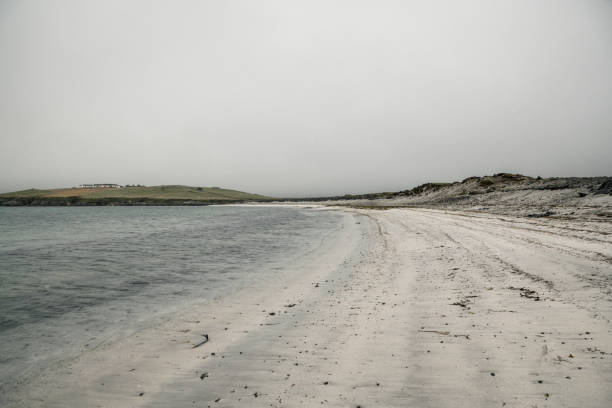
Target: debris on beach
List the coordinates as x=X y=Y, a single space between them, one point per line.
x=446 y=333
x=461 y=303
x=202 y=342
x=527 y=293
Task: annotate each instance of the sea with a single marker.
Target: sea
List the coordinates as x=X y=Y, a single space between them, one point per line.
x=75 y=278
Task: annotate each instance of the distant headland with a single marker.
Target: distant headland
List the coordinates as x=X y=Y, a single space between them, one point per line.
x=115 y=194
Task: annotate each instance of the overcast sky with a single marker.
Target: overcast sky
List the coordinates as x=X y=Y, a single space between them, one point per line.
x=294 y=98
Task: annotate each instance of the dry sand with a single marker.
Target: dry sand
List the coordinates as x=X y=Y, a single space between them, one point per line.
x=409 y=308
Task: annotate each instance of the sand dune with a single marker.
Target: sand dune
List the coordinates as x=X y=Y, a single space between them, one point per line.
x=411 y=307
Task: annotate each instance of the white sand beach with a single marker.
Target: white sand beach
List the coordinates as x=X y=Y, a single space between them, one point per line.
x=409 y=307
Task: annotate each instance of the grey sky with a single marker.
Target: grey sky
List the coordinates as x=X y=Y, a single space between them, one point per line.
x=302 y=98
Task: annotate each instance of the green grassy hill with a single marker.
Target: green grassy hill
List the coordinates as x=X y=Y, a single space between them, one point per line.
x=154 y=193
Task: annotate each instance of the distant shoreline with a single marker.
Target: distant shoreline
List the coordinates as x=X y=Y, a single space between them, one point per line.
x=109 y=201
x=503 y=193
x=103 y=195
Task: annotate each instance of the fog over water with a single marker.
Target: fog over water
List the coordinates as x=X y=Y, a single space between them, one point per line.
x=293 y=98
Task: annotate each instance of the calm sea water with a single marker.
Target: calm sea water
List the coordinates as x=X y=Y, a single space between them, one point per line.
x=74 y=278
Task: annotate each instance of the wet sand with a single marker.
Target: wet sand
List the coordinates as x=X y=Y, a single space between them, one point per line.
x=408 y=307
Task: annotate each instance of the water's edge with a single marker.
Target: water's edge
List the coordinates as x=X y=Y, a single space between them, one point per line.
x=281 y=237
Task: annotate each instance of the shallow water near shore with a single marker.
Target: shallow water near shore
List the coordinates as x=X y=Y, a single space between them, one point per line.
x=76 y=278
